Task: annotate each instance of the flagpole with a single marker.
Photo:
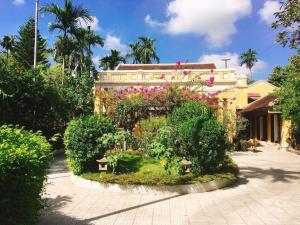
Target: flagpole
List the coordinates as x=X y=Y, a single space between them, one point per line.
x=35 y=32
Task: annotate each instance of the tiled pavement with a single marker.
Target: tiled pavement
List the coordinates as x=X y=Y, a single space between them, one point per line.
x=268 y=192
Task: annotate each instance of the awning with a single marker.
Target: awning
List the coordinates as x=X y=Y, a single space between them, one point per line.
x=263 y=102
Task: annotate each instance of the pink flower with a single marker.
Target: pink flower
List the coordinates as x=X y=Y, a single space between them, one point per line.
x=185 y=73
x=212 y=71
x=178 y=62
x=162 y=76
x=211 y=79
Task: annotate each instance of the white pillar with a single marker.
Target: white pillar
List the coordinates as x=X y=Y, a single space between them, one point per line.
x=261 y=127
x=276 y=128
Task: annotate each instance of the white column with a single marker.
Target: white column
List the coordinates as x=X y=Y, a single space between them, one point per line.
x=261 y=128
x=276 y=128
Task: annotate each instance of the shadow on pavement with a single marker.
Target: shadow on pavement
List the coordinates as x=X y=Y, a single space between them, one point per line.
x=51 y=216
x=277 y=175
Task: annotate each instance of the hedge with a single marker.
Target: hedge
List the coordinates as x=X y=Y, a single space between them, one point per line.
x=24 y=160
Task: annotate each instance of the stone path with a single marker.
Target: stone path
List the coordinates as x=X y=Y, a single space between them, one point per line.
x=268 y=192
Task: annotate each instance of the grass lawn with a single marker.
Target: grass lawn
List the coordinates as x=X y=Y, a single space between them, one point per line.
x=135 y=169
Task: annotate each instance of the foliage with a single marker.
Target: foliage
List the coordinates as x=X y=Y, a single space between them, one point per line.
x=82 y=147
x=24 y=160
x=113 y=161
x=213 y=144
x=111 y=61
x=288 y=101
x=121 y=140
x=190 y=110
x=149 y=171
x=23 y=48
x=7 y=43
x=237 y=126
x=78 y=94
x=248 y=58
x=147 y=128
x=68 y=20
x=143 y=51
x=27 y=100
x=287 y=22
x=279 y=75
x=130 y=111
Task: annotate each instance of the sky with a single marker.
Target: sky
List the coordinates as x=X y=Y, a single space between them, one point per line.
x=203 y=31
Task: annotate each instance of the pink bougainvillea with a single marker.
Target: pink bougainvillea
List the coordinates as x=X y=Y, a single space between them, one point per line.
x=164 y=97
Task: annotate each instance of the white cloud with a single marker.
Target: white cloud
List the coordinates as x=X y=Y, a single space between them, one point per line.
x=115 y=43
x=267 y=11
x=212 y=19
x=96 y=59
x=233 y=63
x=152 y=23
x=94 y=25
x=18 y=2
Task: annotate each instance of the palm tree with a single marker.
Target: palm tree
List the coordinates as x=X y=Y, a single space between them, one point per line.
x=112 y=61
x=248 y=58
x=147 y=50
x=143 y=51
x=87 y=39
x=134 y=53
x=7 y=43
x=67 y=19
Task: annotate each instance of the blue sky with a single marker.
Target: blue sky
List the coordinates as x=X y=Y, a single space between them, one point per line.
x=197 y=30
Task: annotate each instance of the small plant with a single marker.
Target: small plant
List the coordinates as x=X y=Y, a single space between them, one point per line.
x=113 y=161
x=120 y=140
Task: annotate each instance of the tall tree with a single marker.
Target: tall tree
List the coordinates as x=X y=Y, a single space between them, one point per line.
x=287 y=20
x=134 y=53
x=279 y=75
x=147 y=50
x=112 y=61
x=7 y=43
x=86 y=38
x=248 y=58
x=143 y=51
x=23 y=49
x=67 y=20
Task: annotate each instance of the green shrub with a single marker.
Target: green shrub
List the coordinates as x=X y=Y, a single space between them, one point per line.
x=82 y=147
x=147 y=129
x=190 y=110
x=24 y=160
x=212 y=146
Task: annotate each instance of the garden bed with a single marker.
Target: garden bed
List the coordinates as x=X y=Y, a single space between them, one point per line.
x=142 y=174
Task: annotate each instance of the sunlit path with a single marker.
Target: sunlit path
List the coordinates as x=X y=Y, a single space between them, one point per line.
x=267 y=193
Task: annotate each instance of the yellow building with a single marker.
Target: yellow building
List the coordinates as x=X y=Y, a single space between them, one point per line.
x=236 y=95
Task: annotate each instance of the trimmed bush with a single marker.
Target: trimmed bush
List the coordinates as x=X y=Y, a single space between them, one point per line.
x=190 y=110
x=24 y=160
x=212 y=146
x=82 y=147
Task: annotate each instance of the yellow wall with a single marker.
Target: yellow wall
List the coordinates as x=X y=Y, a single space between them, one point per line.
x=261 y=87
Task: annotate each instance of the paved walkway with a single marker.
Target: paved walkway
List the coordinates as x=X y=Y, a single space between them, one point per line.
x=268 y=192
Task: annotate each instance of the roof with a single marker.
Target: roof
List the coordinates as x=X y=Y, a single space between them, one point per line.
x=254 y=95
x=263 y=102
x=261 y=81
x=190 y=66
